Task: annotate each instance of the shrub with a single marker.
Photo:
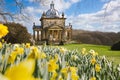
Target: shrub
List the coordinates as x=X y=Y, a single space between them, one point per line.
x=116 y=46
x=61 y=43
x=17 y=33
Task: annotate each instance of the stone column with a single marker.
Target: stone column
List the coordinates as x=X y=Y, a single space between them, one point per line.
x=71 y=35
x=60 y=34
x=38 y=35
x=48 y=34
x=43 y=34
x=34 y=34
x=52 y=33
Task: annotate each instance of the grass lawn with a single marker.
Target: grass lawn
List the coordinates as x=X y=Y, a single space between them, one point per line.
x=102 y=50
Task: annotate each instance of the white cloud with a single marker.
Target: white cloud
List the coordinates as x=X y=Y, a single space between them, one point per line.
x=105 y=20
x=74 y=1
x=105 y=0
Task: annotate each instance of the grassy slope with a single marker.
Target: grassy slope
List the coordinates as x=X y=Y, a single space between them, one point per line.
x=102 y=50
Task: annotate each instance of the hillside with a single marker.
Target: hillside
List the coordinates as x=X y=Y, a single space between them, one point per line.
x=96 y=37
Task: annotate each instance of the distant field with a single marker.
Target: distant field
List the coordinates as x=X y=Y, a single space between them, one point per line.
x=102 y=50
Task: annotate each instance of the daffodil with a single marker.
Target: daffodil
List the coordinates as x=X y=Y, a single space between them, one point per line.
x=74 y=77
x=27 y=45
x=42 y=55
x=62 y=50
x=83 y=50
x=93 y=52
x=64 y=71
x=15 y=46
x=54 y=75
x=21 y=50
x=12 y=57
x=3 y=30
x=72 y=70
x=97 y=68
x=52 y=66
x=34 y=53
x=93 y=61
x=93 y=78
x=22 y=71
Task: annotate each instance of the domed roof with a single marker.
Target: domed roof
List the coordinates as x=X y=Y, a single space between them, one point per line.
x=52 y=12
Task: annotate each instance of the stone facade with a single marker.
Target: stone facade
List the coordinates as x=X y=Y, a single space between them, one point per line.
x=52 y=27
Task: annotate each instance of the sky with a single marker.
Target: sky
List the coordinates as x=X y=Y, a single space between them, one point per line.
x=91 y=15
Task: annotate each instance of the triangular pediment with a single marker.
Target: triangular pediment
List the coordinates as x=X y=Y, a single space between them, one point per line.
x=55 y=27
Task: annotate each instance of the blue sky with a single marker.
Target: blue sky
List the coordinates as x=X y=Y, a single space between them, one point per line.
x=92 y=15
x=85 y=6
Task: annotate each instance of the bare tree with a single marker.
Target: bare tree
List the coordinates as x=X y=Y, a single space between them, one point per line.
x=5 y=13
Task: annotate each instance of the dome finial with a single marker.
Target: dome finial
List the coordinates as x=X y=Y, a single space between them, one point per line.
x=62 y=14
x=52 y=2
x=52 y=5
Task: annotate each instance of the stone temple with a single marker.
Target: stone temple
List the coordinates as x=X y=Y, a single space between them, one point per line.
x=53 y=28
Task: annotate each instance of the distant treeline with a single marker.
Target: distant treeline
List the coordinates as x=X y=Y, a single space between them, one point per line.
x=95 y=37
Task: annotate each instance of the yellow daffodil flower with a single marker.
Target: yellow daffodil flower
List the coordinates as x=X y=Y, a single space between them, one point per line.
x=15 y=46
x=72 y=70
x=27 y=45
x=93 y=61
x=97 y=68
x=22 y=71
x=62 y=50
x=93 y=78
x=93 y=52
x=52 y=66
x=65 y=72
x=21 y=51
x=54 y=75
x=12 y=57
x=42 y=55
x=3 y=30
x=74 y=77
x=83 y=50
x=34 y=53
